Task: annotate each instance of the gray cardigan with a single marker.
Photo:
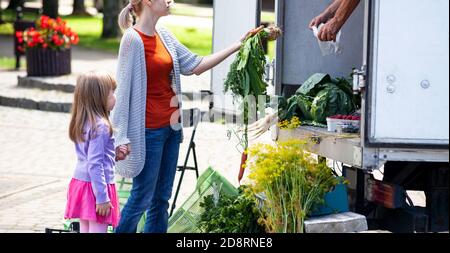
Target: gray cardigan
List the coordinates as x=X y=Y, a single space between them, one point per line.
x=128 y=115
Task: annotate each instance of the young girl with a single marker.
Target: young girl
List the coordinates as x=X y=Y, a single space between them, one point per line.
x=92 y=195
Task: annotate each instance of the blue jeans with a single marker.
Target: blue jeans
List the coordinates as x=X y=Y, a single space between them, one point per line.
x=152 y=188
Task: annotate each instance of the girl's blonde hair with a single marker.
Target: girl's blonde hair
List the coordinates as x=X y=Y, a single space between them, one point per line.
x=126 y=15
x=90 y=101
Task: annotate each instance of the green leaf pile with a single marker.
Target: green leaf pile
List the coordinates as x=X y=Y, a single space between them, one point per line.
x=318 y=98
x=231 y=214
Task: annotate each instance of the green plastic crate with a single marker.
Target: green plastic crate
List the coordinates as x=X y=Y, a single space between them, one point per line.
x=187 y=216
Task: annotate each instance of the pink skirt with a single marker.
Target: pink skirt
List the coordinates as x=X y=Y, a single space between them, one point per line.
x=81 y=203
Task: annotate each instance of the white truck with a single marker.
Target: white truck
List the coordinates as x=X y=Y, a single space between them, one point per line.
x=400 y=50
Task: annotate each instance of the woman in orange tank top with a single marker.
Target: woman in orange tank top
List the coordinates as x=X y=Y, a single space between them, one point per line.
x=165 y=59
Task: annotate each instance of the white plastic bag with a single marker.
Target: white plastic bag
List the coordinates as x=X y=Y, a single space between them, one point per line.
x=328 y=47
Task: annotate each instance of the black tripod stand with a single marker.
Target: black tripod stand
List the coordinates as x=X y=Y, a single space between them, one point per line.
x=192 y=118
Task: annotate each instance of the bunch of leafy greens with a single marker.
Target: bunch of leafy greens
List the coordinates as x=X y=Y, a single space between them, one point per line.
x=245 y=75
x=318 y=98
x=245 y=78
x=231 y=214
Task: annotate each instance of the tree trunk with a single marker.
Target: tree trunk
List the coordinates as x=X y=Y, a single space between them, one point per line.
x=13 y=4
x=79 y=8
x=50 y=8
x=1 y=18
x=110 y=15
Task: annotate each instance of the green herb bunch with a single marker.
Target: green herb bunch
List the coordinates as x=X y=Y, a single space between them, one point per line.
x=231 y=214
x=293 y=183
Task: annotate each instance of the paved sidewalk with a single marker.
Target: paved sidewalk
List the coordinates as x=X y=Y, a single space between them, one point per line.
x=35 y=167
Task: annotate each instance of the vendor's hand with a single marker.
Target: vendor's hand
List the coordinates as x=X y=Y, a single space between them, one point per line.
x=321 y=19
x=103 y=209
x=329 y=31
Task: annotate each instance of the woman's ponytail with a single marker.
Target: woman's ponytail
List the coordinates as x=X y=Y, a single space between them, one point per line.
x=125 y=17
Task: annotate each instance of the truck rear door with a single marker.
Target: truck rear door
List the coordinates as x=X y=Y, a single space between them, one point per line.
x=408 y=74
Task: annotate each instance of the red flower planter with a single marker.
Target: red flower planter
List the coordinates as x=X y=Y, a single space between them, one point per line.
x=48 y=62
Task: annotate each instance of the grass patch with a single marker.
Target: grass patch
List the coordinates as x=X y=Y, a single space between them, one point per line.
x=6 y=29
x=267 y=17
x=10 y=15
x=271 y=49
x=85 y=25
x=90 y=28
x=183 y=11
x=221 y=121
x=10 y=63
x=197 y=40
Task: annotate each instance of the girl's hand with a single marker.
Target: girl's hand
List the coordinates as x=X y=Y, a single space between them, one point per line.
x=125 y=149
x=103 y=209
x=122 y=152
x=120 y=155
